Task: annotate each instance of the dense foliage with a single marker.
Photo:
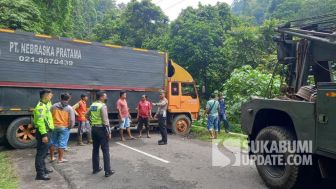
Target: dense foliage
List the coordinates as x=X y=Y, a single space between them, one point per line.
x=260 y=10
x=246 y=82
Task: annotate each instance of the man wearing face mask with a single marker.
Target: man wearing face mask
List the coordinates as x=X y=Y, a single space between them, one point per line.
x=101 y=133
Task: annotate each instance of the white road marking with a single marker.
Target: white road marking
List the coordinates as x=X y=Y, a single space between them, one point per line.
x=144 y=153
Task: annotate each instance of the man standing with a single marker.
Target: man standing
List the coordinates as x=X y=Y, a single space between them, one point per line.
x=101 y=133
x=144 y=114
x=222 y=114
x=64 y=120
x=124 y=115
x=83 y=124
x=161 y=115
x=212 y=109
x=43 y=122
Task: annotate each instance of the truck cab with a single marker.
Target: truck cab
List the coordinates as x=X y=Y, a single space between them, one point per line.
x=184 y=103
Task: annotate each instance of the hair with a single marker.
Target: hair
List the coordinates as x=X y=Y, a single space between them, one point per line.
x=122 y=93
x=65 y=96
x=43 y=92
x=99 y=94
x=83 y=95
x=213 y=95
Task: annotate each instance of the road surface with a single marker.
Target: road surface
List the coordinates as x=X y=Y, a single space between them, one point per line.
x=182 y=164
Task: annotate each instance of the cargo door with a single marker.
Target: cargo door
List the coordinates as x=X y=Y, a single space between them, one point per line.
x=326 y=117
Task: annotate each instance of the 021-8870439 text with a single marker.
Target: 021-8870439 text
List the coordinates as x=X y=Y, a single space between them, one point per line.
x=45 y=60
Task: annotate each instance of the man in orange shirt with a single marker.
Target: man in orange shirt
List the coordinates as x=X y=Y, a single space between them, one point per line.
x=83 y=124
x=64 y=120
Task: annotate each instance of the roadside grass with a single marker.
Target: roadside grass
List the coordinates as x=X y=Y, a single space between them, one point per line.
x=232 y=139
x=8 y=178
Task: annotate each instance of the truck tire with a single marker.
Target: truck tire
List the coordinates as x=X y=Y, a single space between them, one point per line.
x=21 y=134
x=181 y=125
x=278 y=176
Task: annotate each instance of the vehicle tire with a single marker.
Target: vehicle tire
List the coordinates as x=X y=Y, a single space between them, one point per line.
x=21 y=134
x=181 y=125
x=280 y=176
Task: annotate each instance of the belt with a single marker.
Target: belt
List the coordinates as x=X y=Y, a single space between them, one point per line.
x=100 y=125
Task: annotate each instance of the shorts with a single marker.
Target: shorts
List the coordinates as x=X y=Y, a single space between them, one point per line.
x=125 y=123
x=212 y=122
x=143 y=121
x=60 y=137
x=84 y=127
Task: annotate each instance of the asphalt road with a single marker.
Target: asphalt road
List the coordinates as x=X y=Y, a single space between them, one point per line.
x=182 y=164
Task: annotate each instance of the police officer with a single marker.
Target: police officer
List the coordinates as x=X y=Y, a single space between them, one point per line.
x=43 y=122
x=101 y=133
x=161 y=115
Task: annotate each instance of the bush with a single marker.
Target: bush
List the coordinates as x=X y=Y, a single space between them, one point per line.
x=245 y=82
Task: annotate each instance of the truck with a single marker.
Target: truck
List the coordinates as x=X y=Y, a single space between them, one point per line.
x=305 y=111
x=30 y=62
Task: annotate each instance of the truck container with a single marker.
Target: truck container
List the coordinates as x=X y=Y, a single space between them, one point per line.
x=30 y=62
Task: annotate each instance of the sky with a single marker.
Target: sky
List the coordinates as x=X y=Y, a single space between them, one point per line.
x=172 y=8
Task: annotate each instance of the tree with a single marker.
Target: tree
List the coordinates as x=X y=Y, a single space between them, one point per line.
x=245 y=82
x=196 y=42
x=57 y=19
x=141 y=21
x=20 y=14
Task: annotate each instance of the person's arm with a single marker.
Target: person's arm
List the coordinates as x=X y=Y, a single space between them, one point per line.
x=150 y=112
x=74 y=107
x=72 y=118
x=138 y=111
x=119 y=109
x=161 y=103
x=207 y=108
x=104 y=115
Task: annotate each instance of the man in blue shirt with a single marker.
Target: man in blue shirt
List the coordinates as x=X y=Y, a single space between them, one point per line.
x=212 y=109
x=222 y=115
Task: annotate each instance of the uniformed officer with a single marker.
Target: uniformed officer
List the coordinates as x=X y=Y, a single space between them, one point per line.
x=43 y=122
x=161 y=115
x=101 y=133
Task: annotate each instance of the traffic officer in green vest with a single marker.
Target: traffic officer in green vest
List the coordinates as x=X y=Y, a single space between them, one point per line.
x=43 y=123
x=101 y=133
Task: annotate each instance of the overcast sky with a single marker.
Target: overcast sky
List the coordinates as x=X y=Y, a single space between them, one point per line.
x=172 y=8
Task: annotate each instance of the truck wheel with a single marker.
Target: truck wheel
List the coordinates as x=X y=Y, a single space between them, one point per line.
x=181 y=125
x=21 y=134
x=277 y=176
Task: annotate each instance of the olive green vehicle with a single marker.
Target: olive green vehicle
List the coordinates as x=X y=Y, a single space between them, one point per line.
x=307 y=108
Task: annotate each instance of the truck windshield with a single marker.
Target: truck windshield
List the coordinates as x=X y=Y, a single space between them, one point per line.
x=188 y=89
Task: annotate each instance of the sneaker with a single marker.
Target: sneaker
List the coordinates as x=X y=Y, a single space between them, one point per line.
x=97 y=171
x=107 y=174
x=162 y=143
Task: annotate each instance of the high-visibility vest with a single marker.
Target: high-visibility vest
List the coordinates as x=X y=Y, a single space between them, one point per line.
x=96 y=113
x=43 y=120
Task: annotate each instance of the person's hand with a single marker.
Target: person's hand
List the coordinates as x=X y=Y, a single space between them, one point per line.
x=45 y=139
x=137 y=117
x=156 y=116
x=151 y=117
x=110 y=136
